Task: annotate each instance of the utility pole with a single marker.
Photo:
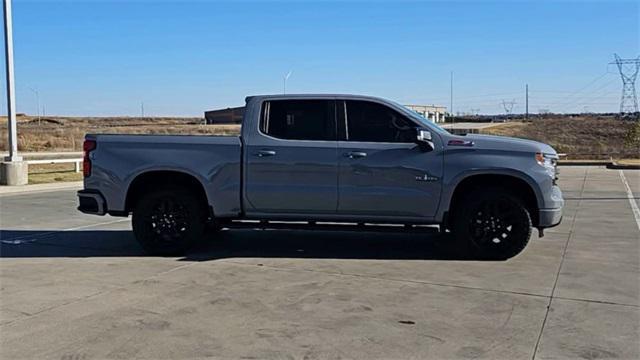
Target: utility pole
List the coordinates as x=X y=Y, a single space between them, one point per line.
x=13 y=171
x=142 y=109
x=451 y=97
x=628 y=71
x=526 y=99
x=35 y=91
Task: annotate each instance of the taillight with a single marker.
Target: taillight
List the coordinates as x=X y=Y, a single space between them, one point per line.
x=87 y=147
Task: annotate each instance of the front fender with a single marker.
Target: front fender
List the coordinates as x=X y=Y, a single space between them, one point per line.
x=451 y=184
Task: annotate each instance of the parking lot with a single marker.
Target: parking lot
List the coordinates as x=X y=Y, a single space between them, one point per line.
x=75 y=286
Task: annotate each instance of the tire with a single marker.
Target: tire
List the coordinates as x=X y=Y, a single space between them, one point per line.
x=491 y=224
x=168 y=221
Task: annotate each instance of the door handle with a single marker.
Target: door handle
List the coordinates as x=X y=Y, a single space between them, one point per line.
x=356 y=154
x=264 y=153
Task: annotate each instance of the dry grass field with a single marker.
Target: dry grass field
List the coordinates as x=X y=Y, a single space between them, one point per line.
x=579 y=137
x=67 y=133
x=48 y=173
x=590 y=137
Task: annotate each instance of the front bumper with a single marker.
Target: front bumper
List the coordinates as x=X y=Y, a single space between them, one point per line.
x=551 y=213
x=549 y=217
x=91 y=202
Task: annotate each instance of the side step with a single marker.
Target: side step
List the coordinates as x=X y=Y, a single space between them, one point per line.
x=330 y=226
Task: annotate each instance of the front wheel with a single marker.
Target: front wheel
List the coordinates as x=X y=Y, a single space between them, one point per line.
x=168 y=221
x=493 y=224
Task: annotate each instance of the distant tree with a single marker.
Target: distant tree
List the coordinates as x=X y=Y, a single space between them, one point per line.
x=632 y=137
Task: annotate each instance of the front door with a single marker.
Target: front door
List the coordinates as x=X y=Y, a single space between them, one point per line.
x=292 y=162
x=382 y=172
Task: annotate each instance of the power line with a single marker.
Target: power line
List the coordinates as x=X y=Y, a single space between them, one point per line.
x=598 y=78
x=476 y=96
x=584 y=95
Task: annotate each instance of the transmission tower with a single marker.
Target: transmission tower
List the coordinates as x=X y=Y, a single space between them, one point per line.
x=508 y=106
x=628 y=71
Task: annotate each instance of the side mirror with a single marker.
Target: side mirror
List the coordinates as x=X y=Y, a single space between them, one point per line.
x=424 y=140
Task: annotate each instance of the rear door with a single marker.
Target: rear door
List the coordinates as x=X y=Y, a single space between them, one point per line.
x=292 y=164
x=382 y=172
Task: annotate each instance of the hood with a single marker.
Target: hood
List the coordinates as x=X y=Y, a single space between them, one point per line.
x=504 y=143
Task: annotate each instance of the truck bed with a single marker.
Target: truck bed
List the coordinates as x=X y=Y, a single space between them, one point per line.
x=214 y=160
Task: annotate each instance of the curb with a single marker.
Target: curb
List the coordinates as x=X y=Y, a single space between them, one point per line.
x=608 y=164
x=584 y=163
x=39 y=188
x=615 y=165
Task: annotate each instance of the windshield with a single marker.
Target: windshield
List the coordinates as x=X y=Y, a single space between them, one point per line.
x=421 y=119
x=426 y=121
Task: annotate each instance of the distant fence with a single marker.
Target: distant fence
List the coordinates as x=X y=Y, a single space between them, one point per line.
x=76 y=162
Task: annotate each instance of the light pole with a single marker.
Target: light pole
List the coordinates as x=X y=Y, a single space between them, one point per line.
x=11 y=89
x=35 y=91
x=13 y=171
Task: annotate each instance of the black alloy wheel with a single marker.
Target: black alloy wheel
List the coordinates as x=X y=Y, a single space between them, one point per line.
x=168 y=222
x=494 y=225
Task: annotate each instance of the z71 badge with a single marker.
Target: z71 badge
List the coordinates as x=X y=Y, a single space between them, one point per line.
x=426 y=177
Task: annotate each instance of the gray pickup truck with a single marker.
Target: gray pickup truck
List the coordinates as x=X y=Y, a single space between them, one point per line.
x=317 y=161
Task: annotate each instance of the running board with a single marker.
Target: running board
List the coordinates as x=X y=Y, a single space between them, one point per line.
x=330 y=226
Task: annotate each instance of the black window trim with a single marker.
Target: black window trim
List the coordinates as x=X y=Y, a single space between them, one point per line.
x=267 y=103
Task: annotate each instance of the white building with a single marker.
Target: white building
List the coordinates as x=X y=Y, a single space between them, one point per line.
x=432 y=112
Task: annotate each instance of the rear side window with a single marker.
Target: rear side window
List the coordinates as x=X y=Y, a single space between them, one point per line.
x=372 y=122
x=299 y=119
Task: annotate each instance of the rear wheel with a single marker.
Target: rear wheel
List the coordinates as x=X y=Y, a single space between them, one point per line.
x=168 y=221
x=492 y=224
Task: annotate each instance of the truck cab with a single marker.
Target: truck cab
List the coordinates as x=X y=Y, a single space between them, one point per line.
x=336 y=158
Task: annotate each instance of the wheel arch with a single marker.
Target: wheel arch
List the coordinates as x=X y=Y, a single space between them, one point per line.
x=150 y=179
x=518 y=183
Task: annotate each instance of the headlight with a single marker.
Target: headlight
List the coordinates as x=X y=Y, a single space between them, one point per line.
x=550 y=163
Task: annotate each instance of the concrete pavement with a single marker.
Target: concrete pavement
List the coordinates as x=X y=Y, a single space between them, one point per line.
x=76 y=286
x=35 y=188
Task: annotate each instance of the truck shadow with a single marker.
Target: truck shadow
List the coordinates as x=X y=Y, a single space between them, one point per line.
x=234 y=244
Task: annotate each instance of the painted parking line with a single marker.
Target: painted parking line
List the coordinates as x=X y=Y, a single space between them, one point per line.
x=630 y=197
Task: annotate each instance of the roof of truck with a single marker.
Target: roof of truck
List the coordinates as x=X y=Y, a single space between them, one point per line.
x=316 y=96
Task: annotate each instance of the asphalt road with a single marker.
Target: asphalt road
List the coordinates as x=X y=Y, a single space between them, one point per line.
x=75 y=286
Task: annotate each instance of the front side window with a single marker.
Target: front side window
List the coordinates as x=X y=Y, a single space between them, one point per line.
x=298 y=119
x=372 y=122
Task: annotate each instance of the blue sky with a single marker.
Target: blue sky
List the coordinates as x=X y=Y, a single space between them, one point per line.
x=181 y=58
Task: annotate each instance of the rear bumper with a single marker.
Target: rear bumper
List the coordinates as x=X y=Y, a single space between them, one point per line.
x=549 y=217
x=91 y=202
